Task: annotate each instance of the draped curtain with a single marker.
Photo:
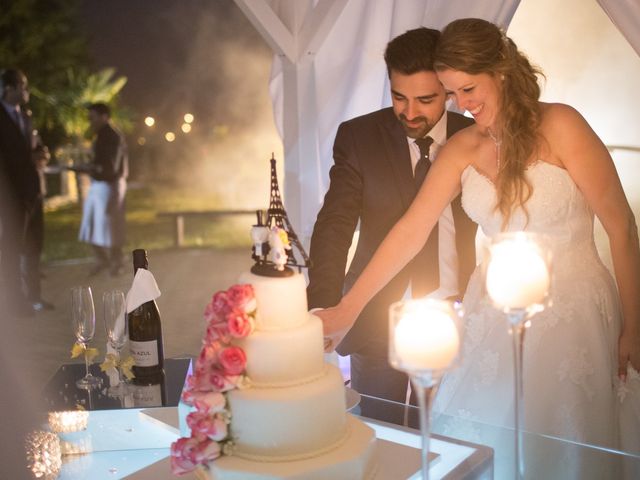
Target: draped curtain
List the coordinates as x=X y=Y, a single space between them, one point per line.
x=625 y=14
x=348 y=78
x=325 y=73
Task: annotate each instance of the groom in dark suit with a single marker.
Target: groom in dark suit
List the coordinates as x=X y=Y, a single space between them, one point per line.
x=380 y=160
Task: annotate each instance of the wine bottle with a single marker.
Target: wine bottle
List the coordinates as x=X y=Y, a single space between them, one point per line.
x=150 y=391
x=145 y=332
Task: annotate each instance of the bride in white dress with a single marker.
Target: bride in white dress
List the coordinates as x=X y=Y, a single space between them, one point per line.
x=525 y=165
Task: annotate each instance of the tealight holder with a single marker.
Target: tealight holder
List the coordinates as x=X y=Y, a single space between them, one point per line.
x=424 y=341
x=68 y=421
x=44 y=458
x=517 y=273
x=71 y=428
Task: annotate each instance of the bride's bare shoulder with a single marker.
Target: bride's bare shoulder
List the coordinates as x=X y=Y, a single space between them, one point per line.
x=462 y=145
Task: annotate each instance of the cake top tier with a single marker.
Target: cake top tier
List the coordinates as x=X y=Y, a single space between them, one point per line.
x=281 y=301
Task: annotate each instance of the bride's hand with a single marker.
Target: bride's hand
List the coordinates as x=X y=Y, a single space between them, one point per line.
x=336 y=323
x=628 y=351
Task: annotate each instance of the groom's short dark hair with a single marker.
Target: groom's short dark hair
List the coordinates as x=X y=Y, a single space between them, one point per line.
x=412 y=52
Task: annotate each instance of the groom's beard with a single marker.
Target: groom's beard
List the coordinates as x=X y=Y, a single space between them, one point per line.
x=417 y=128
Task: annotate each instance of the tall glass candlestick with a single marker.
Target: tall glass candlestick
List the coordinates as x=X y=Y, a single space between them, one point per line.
x=518 y=279
x=424 y=341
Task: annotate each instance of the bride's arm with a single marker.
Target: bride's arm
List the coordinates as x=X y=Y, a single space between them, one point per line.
x=588 y=162
x=402 y=243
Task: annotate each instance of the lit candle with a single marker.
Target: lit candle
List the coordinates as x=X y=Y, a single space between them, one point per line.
x=517 y=275
x=425 y=339
x=68 y=421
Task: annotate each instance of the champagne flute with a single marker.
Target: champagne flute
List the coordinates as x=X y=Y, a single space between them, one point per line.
x=83 y=316
x=115 y=324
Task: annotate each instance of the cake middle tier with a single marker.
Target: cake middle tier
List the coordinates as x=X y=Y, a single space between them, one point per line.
x=279 y=424
x=285 y=357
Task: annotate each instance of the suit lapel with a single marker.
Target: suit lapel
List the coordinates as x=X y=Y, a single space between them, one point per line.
x=398 y=156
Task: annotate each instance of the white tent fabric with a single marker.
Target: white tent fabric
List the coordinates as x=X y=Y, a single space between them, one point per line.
x=625 y=14
x=329 y=67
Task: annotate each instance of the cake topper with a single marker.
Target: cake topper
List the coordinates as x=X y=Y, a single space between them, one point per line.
x=274 y=238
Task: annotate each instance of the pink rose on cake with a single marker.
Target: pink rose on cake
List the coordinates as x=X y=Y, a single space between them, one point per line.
x=240 y=323
x=233 y=360
x=220 y=302
x=242 y=298
x=188 y=453
x=212 y=380
x=210 y=402
x=220 y=367
x=208 y=356
x=203 y=424
x=230 y=312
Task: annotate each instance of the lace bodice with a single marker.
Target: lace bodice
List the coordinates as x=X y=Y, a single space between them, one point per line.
x=556 y=209
x=556 y=206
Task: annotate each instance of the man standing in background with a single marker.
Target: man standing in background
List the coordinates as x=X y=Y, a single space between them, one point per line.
x=22 y=161
x=103 y=215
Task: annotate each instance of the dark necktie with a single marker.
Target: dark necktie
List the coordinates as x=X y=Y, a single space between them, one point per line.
x=426 y=272
x=423 y=165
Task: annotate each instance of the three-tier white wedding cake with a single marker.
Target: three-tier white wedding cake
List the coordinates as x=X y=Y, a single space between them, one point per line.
x=291 y=423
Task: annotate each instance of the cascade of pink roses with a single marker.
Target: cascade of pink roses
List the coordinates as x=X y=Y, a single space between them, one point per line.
x=220 y=367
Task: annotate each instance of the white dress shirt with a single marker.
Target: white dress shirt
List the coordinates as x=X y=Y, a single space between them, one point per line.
x=448 y=256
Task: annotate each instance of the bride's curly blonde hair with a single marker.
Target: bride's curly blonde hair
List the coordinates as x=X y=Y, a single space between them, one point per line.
x=475 y=46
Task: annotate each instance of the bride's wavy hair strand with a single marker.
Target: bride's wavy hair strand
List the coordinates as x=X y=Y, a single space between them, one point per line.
x=476 y=46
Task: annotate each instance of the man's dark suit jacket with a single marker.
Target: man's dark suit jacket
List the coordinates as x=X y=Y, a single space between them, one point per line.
x=19 y=170
x=372 y=182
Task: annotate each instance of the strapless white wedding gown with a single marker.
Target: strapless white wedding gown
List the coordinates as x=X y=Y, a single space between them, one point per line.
x=570 y=349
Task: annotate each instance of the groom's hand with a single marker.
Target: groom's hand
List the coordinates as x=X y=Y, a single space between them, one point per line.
x=334 y=326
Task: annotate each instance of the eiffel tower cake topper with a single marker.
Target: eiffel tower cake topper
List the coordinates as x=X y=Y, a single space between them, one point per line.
x=274 y=239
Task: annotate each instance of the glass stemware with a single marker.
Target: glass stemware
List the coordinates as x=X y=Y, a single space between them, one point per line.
x=424 y=341
x=115 y=324
x=517 y=277
x=83 y=318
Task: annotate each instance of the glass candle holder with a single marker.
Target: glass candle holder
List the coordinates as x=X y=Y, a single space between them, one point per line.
x=517 y=273
x=68 y=421
x=424 y=341
x=44 y=459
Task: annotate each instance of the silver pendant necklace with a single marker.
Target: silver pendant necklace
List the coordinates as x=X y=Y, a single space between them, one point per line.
x=498 y=144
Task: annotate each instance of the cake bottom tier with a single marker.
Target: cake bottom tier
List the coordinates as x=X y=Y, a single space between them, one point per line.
x=290 y=423
x=352 y=460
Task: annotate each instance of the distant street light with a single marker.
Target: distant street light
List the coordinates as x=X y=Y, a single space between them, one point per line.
x=186 y=128
x=169 y=137
x=142 y=141
x=188 y=118
x=149 y=121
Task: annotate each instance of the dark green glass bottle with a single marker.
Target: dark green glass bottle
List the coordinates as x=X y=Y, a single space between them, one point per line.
x=145 y=333
x=150 y=391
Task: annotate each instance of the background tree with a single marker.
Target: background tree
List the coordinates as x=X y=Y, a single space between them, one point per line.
x=45 y=40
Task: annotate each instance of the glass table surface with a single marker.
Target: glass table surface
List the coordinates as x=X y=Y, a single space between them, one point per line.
x=134 y=443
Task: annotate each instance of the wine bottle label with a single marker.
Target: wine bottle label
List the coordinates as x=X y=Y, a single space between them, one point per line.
x=147 y=396
x=145 y=354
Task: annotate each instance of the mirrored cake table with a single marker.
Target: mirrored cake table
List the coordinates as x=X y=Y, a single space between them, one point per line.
x=128 y=441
